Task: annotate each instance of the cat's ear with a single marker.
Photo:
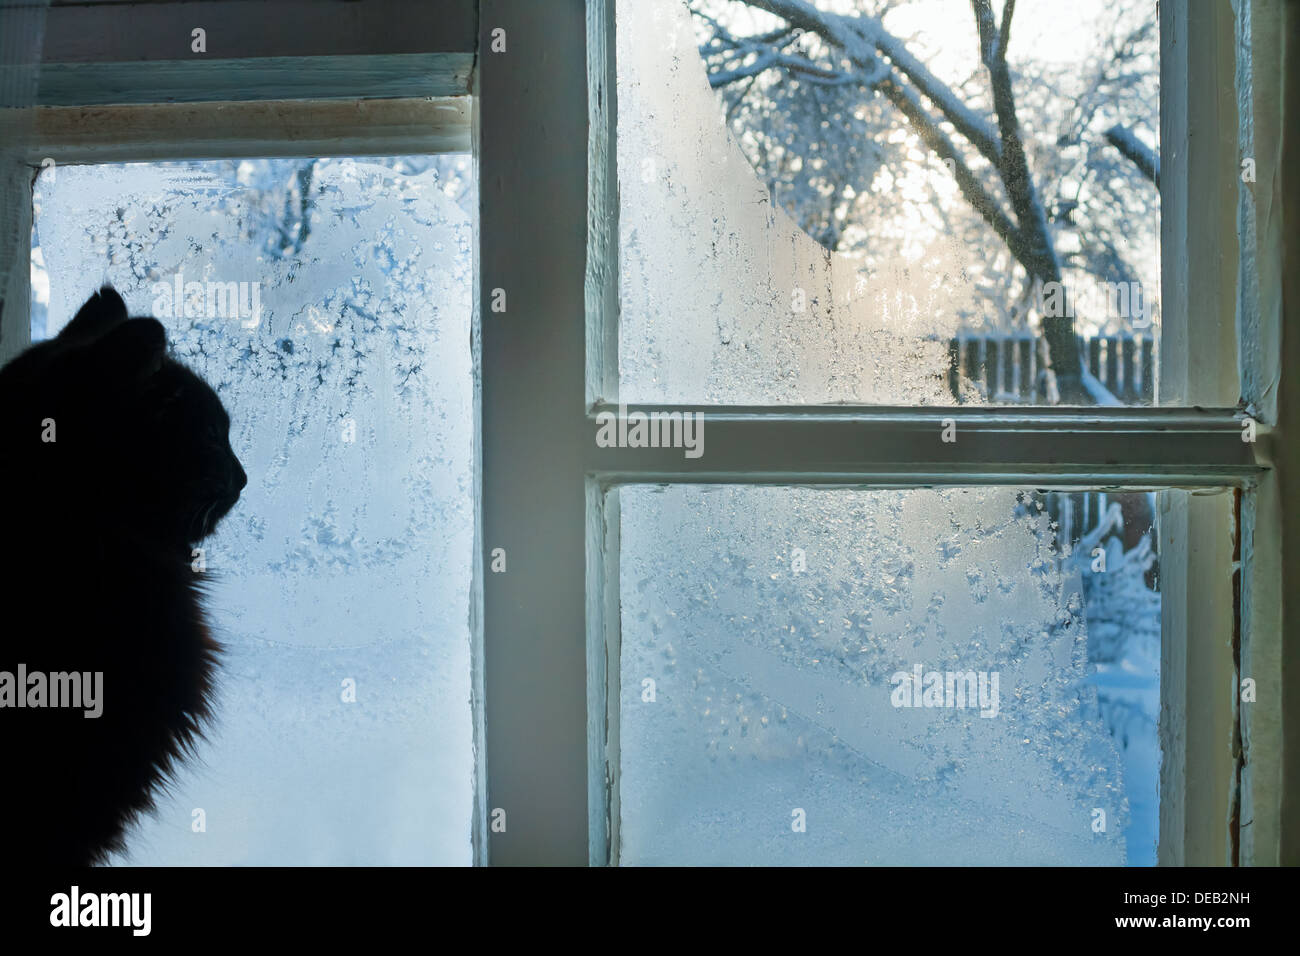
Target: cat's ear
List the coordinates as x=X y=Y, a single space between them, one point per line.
x=136 y=348
x=102 y=311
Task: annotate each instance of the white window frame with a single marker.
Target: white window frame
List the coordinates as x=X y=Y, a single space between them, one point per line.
x=1206 y=775
x=546 y=633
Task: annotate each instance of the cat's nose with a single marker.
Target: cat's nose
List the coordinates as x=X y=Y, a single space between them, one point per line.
x=240 y=478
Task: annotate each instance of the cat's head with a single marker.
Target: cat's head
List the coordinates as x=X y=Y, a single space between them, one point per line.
x=155 y=433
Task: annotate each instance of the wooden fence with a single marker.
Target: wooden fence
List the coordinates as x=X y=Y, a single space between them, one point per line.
x=1007 y=369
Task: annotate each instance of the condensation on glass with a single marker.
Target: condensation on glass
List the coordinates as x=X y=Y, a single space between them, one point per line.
x=725 y=298
x=329 y=303
x=929 y=677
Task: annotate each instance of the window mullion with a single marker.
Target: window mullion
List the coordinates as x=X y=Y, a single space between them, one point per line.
x=532 y=125
x=1136 y=448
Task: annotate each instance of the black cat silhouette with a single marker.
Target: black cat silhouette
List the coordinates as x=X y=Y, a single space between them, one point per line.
x=115 y=461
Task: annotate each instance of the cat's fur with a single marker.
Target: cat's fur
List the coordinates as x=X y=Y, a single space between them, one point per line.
x=95 y=574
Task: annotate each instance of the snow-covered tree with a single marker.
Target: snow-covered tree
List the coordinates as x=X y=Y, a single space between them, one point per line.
x=1050 y=160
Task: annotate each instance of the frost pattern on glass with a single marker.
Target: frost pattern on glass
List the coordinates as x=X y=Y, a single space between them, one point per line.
x=772 y=625
x=723 y=297
x=346 y=563
x=930 y=296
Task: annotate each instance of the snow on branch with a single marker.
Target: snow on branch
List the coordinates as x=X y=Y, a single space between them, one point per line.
x=862 y=38
x=768 y=59
x=1137 y=152
x=882 y=62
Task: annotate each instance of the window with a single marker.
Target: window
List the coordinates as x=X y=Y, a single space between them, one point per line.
x=822 y=430
x=706 y=301
x=328 y=301
x=884 y=254
x=846 y=676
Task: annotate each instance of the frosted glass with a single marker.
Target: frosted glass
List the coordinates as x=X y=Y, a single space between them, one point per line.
x=348 y=557
x=764 y=630
x=724 y=298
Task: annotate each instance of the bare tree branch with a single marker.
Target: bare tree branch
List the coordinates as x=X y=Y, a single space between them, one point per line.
x=1137 y=152
x=1004 y=37
x=1038 y=254
x=974 y=128
x=861 y=38
x=882 y=62
x=873 y=73
x=770 y=59
x=932 y=134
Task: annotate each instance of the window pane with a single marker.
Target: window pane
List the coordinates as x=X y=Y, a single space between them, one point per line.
x=835 y=224
x=771 y=639
x=343 y=357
